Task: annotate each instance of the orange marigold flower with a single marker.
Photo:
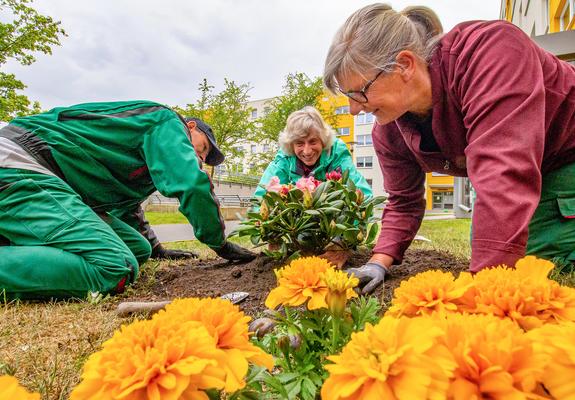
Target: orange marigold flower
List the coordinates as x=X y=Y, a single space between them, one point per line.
x=523 y=294
x=428 y=293
x=495 y=359
x=557 y=342
x=340 y=289
x=229 y=327
x=399 y=358
x=300 y=281
x=153 y=359
x=11 y=390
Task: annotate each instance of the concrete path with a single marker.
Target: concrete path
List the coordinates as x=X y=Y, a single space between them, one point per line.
x=179 y=232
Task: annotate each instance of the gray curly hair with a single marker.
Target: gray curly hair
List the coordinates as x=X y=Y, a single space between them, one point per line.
x=372 y=37
x=300 y=124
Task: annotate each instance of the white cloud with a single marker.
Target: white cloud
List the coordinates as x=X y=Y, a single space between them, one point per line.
x=161 y=50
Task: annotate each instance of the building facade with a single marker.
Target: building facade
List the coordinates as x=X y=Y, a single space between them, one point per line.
x=550 y=23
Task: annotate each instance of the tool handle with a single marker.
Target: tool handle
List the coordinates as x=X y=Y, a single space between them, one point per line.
x=130 y=307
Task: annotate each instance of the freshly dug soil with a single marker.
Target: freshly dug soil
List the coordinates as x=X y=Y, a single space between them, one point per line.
x=217 y=277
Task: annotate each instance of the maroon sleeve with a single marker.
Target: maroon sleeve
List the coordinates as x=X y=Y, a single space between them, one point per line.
x=403 y=180
x=499 y=81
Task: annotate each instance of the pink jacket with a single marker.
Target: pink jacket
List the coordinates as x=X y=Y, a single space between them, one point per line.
x=504 y=115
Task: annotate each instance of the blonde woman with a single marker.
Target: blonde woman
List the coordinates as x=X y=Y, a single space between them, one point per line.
x=308 y=147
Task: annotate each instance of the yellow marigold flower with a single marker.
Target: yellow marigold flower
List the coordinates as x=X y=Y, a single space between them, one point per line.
x=495 y=359
x=155 y=360
x=229 y=327
x=428 y=293
x=340 y=289
x=11 y=390
x=399 y=358
x=300 y=281
x=557 y=342
x=523 y=294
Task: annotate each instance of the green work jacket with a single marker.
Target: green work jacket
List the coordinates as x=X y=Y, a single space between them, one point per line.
x=114 y=155
x=336 y=158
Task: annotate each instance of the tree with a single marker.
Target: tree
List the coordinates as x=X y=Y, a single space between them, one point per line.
x=23 y=31
x=298 y=91
x=227 y=113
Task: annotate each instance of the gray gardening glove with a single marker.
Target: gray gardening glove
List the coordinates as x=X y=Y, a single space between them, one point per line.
x=161 y=253
x=233 y=252
x=370 y=276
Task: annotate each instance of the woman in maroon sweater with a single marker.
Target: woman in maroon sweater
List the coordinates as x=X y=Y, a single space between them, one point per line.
x=482 y=101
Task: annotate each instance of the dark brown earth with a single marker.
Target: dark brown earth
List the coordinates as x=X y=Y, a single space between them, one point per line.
x=215 y=278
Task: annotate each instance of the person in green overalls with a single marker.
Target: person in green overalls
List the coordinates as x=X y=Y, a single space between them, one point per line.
x=72 y=181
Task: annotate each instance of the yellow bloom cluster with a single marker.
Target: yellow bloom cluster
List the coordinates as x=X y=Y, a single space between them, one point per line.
x=524 y=294
x=458 y=357
x=229 y=326
x=339 y=289
x=557 y=342
x=195 y=344
x=399 y=358
x=11 y=390
x=311 y=280
x=495 y=359
x=501 y=334
x=428 y=293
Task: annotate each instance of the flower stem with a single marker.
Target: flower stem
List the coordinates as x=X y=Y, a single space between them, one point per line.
x=334 y=333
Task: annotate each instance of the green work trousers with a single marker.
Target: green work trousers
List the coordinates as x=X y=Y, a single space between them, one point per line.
x=552 y=227
x=58 y=246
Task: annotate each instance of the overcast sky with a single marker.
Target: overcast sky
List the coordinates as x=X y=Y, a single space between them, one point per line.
x=161 y=49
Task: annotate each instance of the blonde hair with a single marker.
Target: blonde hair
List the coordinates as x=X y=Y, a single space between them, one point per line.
x=300 y=124
x=372 y=37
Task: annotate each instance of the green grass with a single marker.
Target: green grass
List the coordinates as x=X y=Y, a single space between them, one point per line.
x=159 y=218
x=449 y=235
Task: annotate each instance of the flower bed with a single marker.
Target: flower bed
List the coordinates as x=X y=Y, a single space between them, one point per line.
x=500 y=334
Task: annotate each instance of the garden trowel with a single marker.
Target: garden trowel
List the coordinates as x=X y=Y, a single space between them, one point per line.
x=129 y=307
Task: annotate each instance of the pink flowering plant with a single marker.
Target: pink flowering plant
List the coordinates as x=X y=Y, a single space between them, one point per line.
x=310 y=216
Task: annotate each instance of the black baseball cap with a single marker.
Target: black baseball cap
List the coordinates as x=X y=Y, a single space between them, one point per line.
x=215 y=156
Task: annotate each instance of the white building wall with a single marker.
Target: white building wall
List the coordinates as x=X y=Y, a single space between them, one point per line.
x=363 y=153
x=532 y=16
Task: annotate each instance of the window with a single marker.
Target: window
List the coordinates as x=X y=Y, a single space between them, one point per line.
x=364 y=118
x=342 y=131
x=253 y=148
x=254 y=114
x=364 y=140
x=342 y=110
x=267 y=110
x=220 y=169
x=442 y=200
x=364 y=162
x=239 y=149
x=266 y=148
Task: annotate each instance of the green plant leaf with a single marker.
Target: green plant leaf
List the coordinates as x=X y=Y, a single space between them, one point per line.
x=350 y=234
x=372 y=231
x=308 y=389
x=312 y=212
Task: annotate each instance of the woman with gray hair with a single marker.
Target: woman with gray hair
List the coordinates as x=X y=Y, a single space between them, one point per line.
x=482 y=101
x=308 y=147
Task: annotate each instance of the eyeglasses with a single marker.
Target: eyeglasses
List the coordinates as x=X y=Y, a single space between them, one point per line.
x=360 y=96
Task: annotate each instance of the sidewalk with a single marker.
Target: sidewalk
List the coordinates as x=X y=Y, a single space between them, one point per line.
x=178 y=232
